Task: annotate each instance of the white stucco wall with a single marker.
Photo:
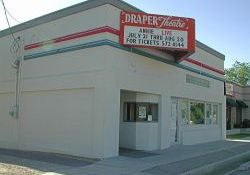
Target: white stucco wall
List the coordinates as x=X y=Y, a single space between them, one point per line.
x=71 y=87
x=58 y=121
x=138 y=135
x=197 y=134
x=208 y=58
x=9 y=127
x=150 y=76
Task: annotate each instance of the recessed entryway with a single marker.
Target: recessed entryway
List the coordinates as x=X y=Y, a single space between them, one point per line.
x=139 y=127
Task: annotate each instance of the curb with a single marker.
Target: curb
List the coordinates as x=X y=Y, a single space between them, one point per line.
x=220 y=164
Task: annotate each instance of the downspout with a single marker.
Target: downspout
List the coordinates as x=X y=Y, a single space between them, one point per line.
x=17 y=64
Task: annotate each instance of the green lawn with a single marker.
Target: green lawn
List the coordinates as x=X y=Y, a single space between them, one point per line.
x=238 y=136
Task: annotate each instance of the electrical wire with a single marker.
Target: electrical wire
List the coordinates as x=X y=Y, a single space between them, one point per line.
x=16 y=50
x=15 y=47
x=12 y=16
x=6 y=17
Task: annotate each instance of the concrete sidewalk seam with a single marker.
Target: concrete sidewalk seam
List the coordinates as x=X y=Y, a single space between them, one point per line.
x=212 y=166
x=195 y=156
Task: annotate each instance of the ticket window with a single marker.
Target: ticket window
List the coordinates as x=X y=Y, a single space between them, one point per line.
x=140 y=112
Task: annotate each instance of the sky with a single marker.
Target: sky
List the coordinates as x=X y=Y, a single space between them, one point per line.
x=223 y=25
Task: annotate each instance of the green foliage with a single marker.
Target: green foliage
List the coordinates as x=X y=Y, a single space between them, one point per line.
x=197 y=113
x=238 y=136
x=238 y=73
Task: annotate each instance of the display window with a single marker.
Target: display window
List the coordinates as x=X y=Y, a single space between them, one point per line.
x=194 y=112
x=197 y=113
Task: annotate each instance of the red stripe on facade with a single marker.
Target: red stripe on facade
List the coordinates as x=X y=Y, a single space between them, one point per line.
x=200 y=64
x=74 y=36
x=103 y=30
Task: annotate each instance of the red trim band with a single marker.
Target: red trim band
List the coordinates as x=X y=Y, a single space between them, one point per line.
x=103 y=30
x=200 y=64
x=74 y=36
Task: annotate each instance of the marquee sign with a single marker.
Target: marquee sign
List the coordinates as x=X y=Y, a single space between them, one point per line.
x=157 y=31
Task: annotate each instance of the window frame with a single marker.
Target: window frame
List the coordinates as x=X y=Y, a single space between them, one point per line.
x=188 y=112
x=211 y=104
x=217 y=115
x=189 y=101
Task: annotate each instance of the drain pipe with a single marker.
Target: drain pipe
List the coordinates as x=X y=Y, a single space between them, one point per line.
x=18 y=87
x=15 y=109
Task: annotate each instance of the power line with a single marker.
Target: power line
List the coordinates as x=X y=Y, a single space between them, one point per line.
x=15 y=48
x=12 y=16
x=15 y=45
x=6 y=17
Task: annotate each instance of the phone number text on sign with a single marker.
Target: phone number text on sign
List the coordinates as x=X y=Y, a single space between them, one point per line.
x=156 y=37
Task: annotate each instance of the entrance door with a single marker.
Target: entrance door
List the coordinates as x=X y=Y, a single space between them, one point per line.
x=228 y=117
x=238 y=117
x=174 y=123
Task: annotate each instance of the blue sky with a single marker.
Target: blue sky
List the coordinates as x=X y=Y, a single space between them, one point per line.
x=221 y=24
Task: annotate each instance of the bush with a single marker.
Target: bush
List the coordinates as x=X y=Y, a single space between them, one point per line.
x=237 y=126
x=246 y=123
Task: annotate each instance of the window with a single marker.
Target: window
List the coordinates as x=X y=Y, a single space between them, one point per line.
x=212 y=114
x=130 y=111
x=197 y=81
x=197 y=113
x=140 y=112
x=184 y=111
x=208 y=114
x=215 y=114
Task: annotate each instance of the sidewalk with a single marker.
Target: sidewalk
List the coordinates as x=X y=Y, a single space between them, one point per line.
x=172 y=161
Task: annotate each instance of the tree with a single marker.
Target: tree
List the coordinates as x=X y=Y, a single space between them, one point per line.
x=239 y=73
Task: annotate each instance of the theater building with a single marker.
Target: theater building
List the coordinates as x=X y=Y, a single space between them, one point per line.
x=102 y=75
